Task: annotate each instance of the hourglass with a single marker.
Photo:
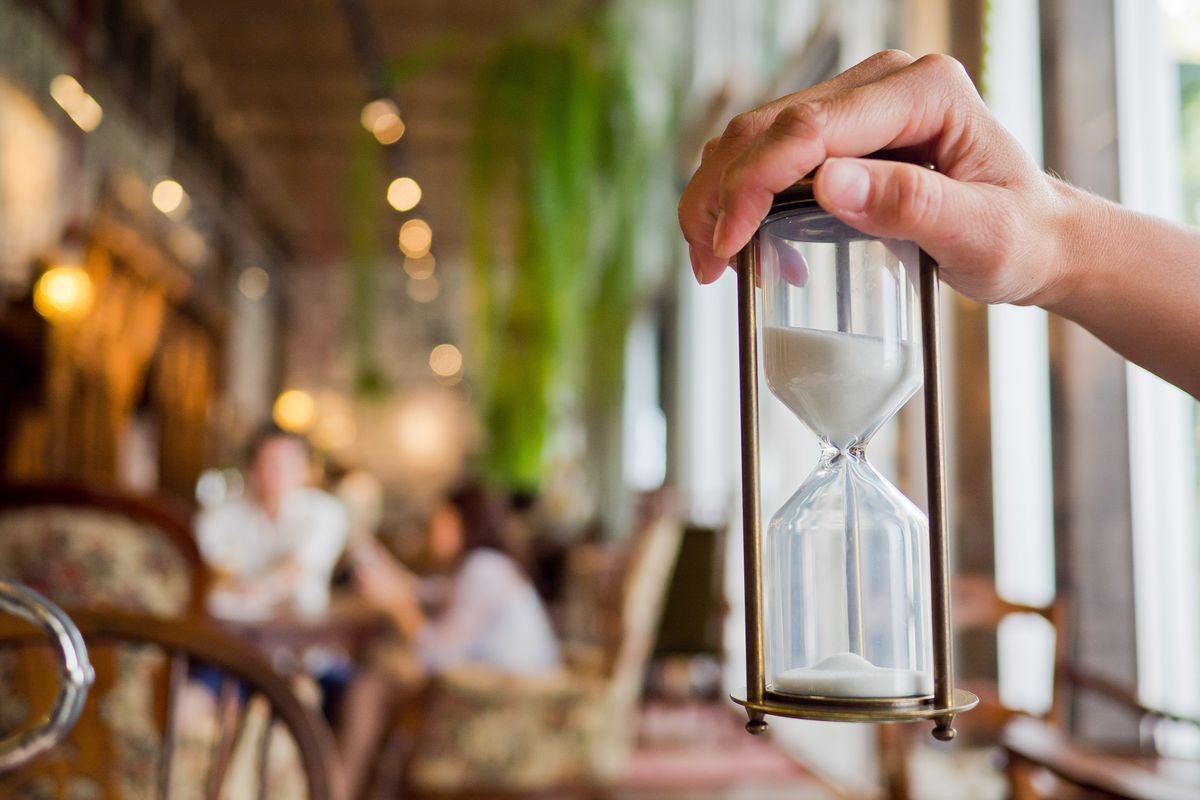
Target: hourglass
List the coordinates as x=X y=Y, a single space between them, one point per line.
x=847 y=592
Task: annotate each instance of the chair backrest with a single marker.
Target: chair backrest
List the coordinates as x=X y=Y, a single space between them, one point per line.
x=101 y=548
x=979 y=609
x=615 y=594
x=655 y=549
x=179 y=710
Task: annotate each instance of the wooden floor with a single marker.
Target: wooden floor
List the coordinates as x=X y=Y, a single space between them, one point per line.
x=701 y=751
x=802 y=791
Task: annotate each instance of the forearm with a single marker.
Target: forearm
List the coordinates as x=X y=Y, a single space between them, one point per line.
x=1134 y=282
x=408 y=619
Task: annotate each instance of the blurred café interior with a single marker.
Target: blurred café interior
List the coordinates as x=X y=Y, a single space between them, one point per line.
x=360 y=409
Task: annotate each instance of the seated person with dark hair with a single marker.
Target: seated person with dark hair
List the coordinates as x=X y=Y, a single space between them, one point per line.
x=487 y=614
x=491 y=616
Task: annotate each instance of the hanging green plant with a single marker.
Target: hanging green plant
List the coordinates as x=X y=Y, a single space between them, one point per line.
x=554 y=170
x=363 y=189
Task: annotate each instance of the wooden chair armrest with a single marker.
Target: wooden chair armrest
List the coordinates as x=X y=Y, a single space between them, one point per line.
x=1124 y=695
x=1041 y=744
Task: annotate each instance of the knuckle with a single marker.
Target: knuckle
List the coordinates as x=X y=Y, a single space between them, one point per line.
x=800 y=121
x=742 y=125
x=731 y=179
x=911 y=198
x=710 y=147
x=891 y=58
x=944 y=66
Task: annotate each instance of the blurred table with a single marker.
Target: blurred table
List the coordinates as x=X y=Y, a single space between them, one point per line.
x=348 y=626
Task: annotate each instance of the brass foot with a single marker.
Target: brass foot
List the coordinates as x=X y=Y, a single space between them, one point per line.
x=944 y=730
x=757 y=725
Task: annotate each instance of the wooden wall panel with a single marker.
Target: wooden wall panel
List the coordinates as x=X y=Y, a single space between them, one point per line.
x=1093 y=521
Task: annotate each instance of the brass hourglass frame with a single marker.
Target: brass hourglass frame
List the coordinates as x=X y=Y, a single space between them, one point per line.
x=759 y=702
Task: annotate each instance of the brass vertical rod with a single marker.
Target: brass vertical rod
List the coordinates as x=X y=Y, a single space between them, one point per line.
x=854 y=591
x=842 y=276
x=935 y=452
x=751 y=516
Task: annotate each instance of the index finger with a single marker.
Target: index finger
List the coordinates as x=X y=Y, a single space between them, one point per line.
x=907 y=107
x=698 y=207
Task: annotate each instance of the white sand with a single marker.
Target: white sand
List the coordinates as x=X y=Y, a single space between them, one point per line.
x=842 y=385
x=850 y=675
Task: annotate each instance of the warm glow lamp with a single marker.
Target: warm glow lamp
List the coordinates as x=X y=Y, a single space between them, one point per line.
x=295 y=411
x=63 y=293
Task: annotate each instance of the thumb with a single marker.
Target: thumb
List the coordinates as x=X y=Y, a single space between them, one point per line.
x=901 y=201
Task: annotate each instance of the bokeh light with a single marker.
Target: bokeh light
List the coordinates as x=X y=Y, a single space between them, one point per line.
x=168 y=196
x=253 y=283
x=294 y=411
x=423 y=290
x=80 y=106
x=63 y=293
x=445 y=360
x=416 y=237
x=420 y=268
x=374 y=110
x=382 y=119
x=403 y=194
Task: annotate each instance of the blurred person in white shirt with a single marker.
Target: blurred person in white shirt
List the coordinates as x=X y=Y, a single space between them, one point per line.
x=274 y=548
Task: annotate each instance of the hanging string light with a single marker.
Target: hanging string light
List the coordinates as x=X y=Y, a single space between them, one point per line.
x=65 y=290
x=416 y=237
x=420 y=268
x=81 y=107
x=423 y=290
x=403 y=194
x=382 y=119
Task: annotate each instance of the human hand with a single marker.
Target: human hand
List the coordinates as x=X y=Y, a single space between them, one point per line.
x=997 y=225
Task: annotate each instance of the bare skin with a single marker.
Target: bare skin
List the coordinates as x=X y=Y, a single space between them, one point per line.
x=1002 y=230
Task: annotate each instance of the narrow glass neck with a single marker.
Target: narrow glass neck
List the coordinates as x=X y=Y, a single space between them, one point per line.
x=831 y=454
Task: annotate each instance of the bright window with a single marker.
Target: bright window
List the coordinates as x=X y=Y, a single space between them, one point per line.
x=1158 y=92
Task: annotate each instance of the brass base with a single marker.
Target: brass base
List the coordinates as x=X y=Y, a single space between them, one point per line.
x=849 y=709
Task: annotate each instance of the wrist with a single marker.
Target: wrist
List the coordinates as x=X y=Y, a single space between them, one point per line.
x=1082 y=229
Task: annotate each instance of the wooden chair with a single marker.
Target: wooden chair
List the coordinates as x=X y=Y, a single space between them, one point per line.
x=1044 y=762
x=90 y=547
x=140 y=736
x=490 y=735
x=978 y=609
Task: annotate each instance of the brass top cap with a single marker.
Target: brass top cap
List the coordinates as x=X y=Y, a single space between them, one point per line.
x=797 y=197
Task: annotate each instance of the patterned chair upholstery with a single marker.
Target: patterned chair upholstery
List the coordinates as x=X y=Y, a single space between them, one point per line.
x=489 y=733
x=95 y=549
x=90 y=548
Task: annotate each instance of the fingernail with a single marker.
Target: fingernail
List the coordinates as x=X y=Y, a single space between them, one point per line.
x=719 y=233
x=846 y=183
x=695 y=261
